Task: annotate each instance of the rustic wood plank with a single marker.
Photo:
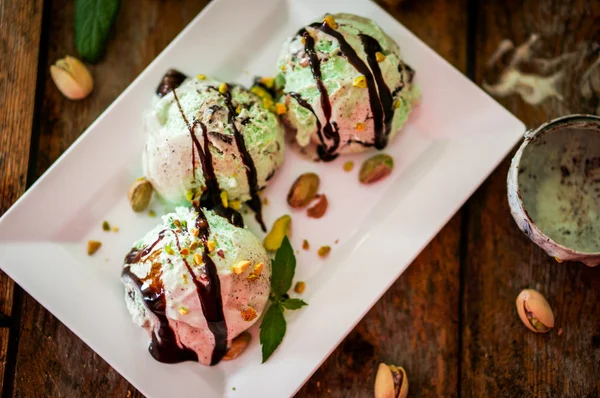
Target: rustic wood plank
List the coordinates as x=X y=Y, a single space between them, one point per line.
x=501 y=358
x=415 y=324
x=20 y=24
x=51 y=360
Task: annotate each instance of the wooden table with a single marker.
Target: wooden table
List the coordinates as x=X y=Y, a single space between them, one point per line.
x=449 y=319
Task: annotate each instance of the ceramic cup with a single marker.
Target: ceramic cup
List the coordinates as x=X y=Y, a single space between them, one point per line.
x=554 y=188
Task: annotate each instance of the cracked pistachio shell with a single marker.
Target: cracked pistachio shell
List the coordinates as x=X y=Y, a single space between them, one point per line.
x=72 y=78
x=534 y=311
x=391 y=382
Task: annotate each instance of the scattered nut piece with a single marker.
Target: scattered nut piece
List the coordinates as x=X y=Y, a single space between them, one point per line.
x=266 y=201
x=558 y=260
x=299 y=288
x=534 y=311
x=318 y=209
x=93 y=246
x=348 y=166
x=140 y=194
x=330 y=21
x=380 y=57
x=304 y=62
x=376 y=168
x=185 y=251
x=240 y=267
x=189 y=195
x=280 y=108
x=224 y=199
x=235 y=204
x=151 y=213
x=184 y=311
x=252 y=277
x=115 y=229
x=238 y=345
x=221 y=253
x=72 y=78
x=200 y=76
x=223 y=88
x=198 y=258
x=360 y=82
x=194 y=245
x=177 y=223
x=324 y=251
x=258 y=268
x=105 y=226
x=169 y=250
x=249 y=314
x=195 y=231
x=305 y=244
x=391 y=382
x=267 y=81
x=279 y=230
x=360 y=126
x=303 y=190
x=211 y=245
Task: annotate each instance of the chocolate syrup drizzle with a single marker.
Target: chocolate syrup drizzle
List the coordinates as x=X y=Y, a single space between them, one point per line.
x=380 y=96
x=254 y=203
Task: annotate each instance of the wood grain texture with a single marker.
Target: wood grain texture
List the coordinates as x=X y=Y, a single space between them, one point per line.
x=19 y=46
x=415 y=324
x=500 y=357
x=51 y=360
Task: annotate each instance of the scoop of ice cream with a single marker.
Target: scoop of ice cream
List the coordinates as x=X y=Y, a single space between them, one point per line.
x=204 y=128
x=346 y=87
x=195 y=282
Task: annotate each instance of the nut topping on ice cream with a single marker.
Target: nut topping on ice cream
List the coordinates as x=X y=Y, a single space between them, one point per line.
x=346 y=87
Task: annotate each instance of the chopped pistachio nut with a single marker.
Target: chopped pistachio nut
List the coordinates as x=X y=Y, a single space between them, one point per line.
x=105 y=226
x=266 y=201
x=249 y=314
x=305 y=244
x=396 y=104
x=258 y=268
x=169 y=250
x=283 y=68
x=223 y=88
x=348 y=166
x=300 y=286
x=195 y=231
x=198 y=259
x=177 y=223
x=93 y=246
x=185 y=279
x=185 y=251
x=184 y=311
x=252 y=277
x=360 y=126
x=211 y=245
x=235 y=204
x=224 y=199
x=200 y=76
x=360 y=82
x=379 y=56
x=238 y=110
x=115 y=229
x=194 y=245
x=330 y=21
x=151 y=213
x=240 y=267
x=303 y=40
x=267 y=81
x=189 y=195
x=280 y=108
x=280 y=228
x=324 y=251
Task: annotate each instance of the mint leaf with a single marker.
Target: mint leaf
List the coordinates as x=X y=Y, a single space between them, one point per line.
x=284 y=267
x=293 y=303
x=93 y=20
x=272 y=330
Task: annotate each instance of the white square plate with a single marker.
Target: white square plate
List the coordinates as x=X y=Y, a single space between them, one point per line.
x=452 y=142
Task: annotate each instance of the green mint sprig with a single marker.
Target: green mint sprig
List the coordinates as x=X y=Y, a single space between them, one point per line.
x=93 y=21
x=273 y=326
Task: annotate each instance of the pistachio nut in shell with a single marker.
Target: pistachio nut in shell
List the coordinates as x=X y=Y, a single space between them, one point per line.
x=376 y=168
x=534 y=311
x=238 y=346
x=391 y=382
x=303 y=190
x=139 y=194
x=72 y=78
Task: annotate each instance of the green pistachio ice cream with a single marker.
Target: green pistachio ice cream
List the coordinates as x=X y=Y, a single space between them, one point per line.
x=207 y=128
x=346 y=87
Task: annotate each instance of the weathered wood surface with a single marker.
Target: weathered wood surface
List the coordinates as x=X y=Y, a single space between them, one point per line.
x=19 y=46
x=449 y=320
x=500 y=358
